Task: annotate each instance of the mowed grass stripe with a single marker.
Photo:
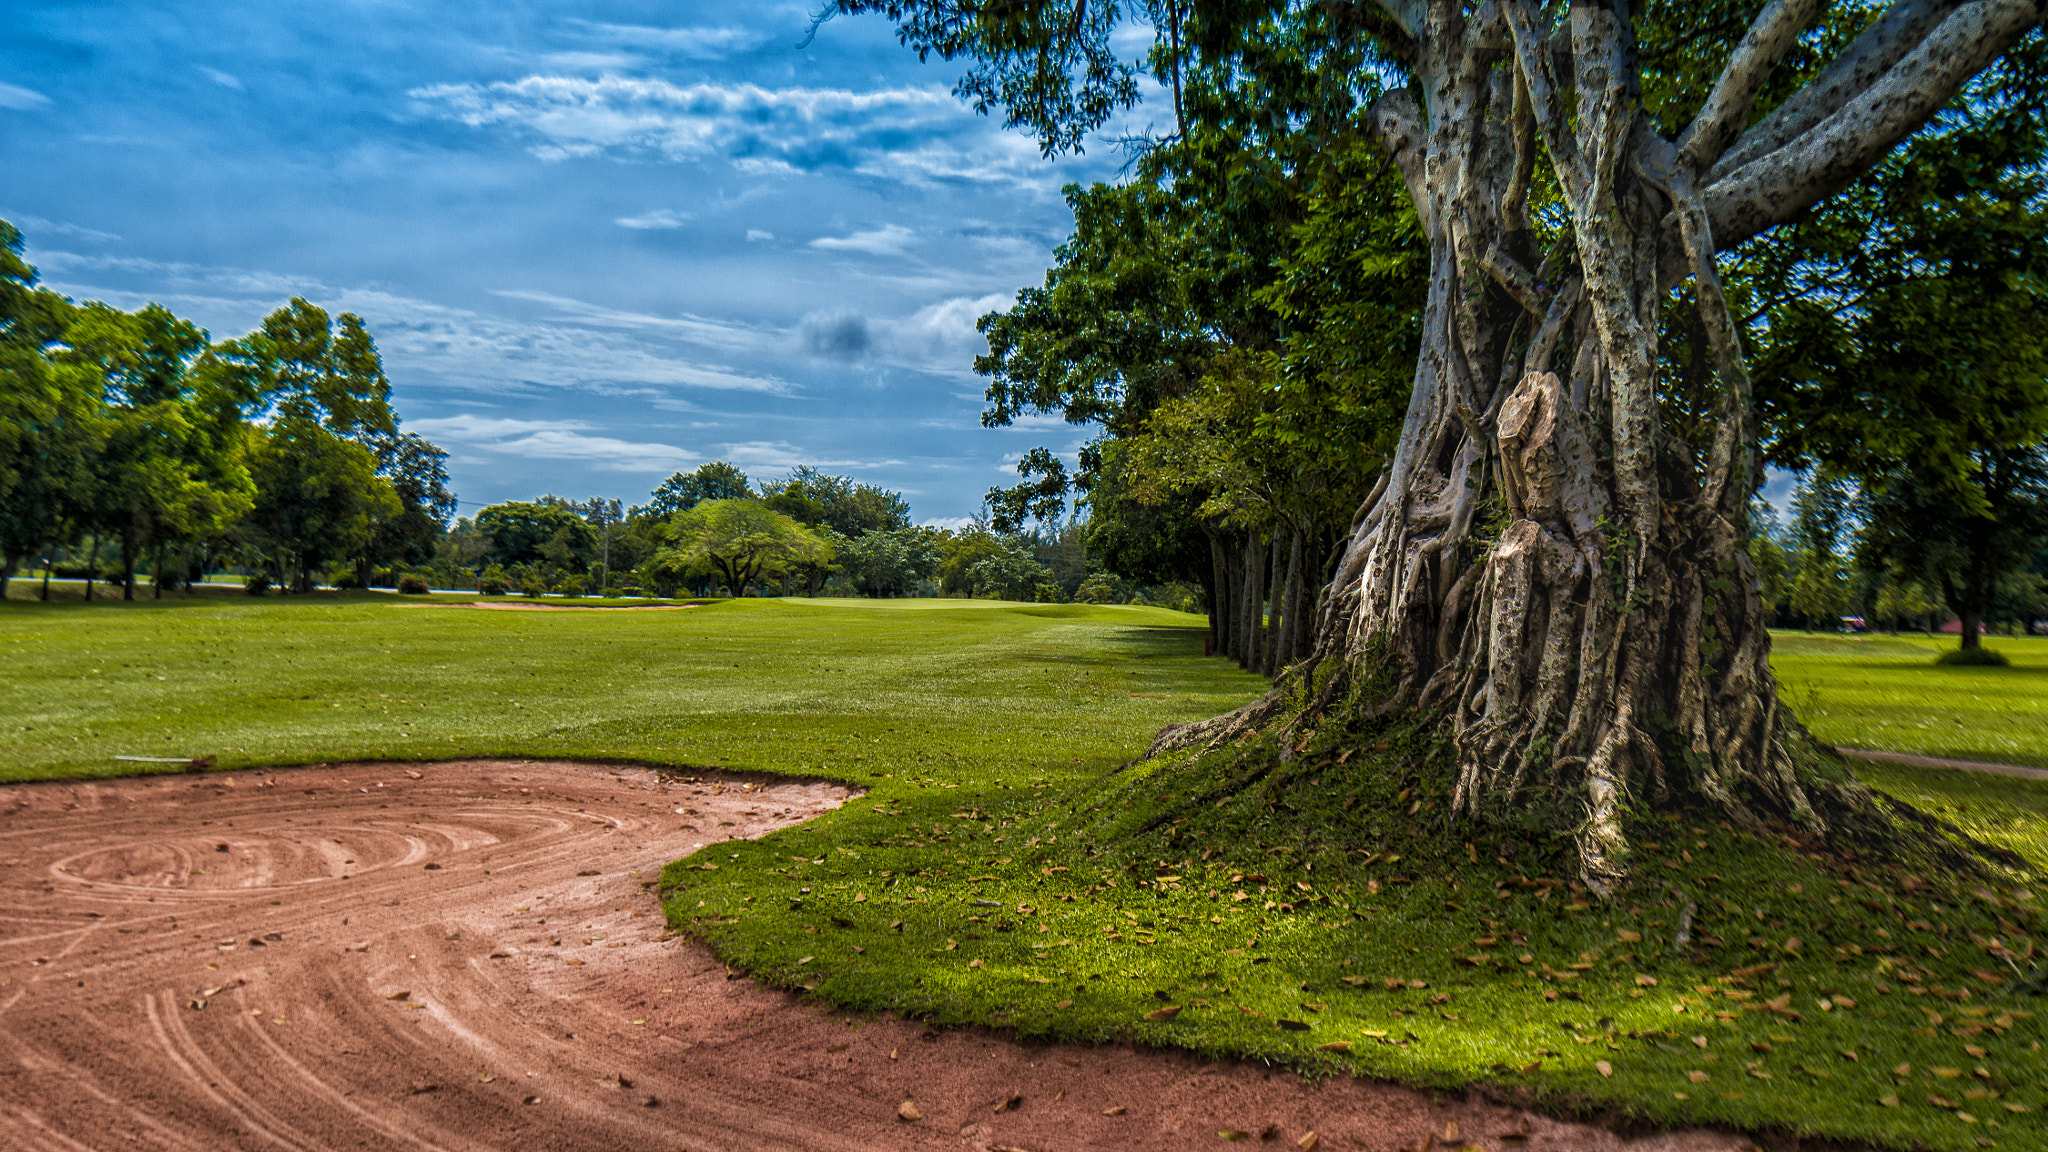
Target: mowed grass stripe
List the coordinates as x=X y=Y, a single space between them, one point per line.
x=763 y=684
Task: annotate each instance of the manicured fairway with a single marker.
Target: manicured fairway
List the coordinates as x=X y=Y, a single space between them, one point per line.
x=841 y=688
x=1886 y=693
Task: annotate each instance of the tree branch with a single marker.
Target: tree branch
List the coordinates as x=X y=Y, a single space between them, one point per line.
x=1721 y=118
x=1532 y=51
x=1398 y=124
x=1832 y=154
x=1868 y=57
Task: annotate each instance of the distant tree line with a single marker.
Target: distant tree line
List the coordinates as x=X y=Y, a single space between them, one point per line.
x=714 y=531
x=130 y=442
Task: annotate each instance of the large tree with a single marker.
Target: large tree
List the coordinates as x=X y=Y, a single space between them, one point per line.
x=1555 y=560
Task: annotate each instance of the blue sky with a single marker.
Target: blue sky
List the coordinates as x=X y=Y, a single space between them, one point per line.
x=596 y=243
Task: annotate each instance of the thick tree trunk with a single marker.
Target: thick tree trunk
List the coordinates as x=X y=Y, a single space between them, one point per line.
x=1276 y=621
x=1254 y=605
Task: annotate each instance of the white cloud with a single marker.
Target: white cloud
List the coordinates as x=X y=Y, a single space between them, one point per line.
x=694 y=43
x=660 y=218
x=224 y=79
x=762 y=457
x=888 y=240
x=757 y=234
x=942 y=337
x=34 y=226
x=916 y=134
x=949 y=523
x=551 y=440
x=22 y=98
x=719 y=334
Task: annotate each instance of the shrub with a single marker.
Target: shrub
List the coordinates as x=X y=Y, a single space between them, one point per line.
x=345 y=580
x=569 y=586
x=411 y=585
x=1979 y=657
x=257 y=584
x=490 y=585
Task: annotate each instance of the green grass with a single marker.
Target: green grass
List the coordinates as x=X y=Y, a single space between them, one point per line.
x=974 y=691
x=1886 y=693
x=1002 y=871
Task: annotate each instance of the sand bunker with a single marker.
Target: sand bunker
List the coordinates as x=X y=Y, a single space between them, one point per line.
x=470 y=956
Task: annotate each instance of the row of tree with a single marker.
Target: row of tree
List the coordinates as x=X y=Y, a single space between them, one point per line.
x=132 y=435
x=807 y=533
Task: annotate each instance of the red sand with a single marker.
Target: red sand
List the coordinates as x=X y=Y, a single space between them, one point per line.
x=351 y=958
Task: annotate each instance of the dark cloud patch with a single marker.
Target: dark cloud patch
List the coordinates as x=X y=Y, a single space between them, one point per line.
x=841 y=334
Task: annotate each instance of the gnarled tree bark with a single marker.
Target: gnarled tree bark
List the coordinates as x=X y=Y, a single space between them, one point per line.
x=1555 y=574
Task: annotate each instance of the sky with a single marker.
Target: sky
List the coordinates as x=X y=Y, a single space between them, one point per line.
x=596 y=243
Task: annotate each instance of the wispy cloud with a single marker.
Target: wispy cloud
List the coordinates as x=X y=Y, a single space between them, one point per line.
x=660 y=218
x=35 y=227
x=908 y=133
x=888 y=240
x=25 y=99
x=755 y=234
x=692 y=43
x=769 y=456
x=550 y=440
x=224 y=79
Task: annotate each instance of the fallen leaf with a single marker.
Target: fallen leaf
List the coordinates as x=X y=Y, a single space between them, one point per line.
x=399 y=996
x=1888 y=1101
x=1064 y=1004
x=1116 y=1111
x=1309 y=1142
x=1450 y=1131
x=1164 y=1013
x=423 y=1086
x=1010 y=1103
x=908 y=1111
x=1231 y=1134
x=1603 y=1067
x=1628 y=936
x=1292 y=1026
x=892 y=1053
x=1646 y=981
x=1335 y=1046
x=1697 y=1076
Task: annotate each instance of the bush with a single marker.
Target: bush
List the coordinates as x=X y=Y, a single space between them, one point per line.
x=1976 y=657
x=490 y=585
x=411 y=585
x=569 y=586
x=257 y=584
x=611 y=593
x=345 y=580
x=628 y=590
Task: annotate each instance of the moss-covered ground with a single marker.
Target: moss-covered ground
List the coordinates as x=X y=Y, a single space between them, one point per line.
x=1002 y=870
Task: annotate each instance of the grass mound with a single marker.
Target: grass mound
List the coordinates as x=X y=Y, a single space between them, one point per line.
x=1975 y=658
x=1317 y=914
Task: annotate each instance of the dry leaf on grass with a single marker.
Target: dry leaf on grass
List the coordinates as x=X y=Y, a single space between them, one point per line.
x=1163 y=1013
x=1603 y=1067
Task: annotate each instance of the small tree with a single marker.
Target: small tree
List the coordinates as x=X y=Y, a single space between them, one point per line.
x=740 y=541
x=1926 y=532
